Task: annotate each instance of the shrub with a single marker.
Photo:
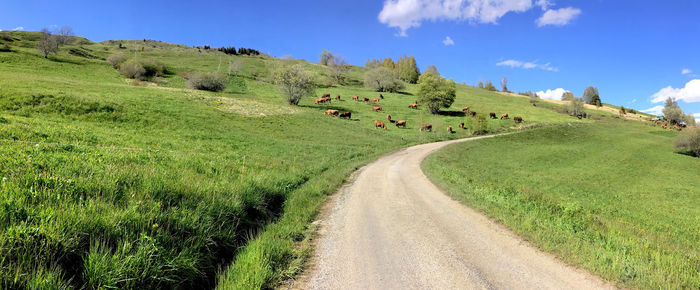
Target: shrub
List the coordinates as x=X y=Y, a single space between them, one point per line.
x=154 y=68
x=489 y=86
x=132 y=69
x=213 y=82
x=295 y=82
x=116 y=59
x=481 y=125
x=383 y=79
x=576 y=107
x=435 y=92
x=689 y=141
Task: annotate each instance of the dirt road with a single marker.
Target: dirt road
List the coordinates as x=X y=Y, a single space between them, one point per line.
x=391 y=228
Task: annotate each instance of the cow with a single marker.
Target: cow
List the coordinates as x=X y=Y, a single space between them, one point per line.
x=461 y=125
x=518 y=119
x=365 y=100
x=376 y=108
x=413 y=106
x=331 y=112
x=319 y=101
x=504 y=116
x=426 y=127
x=472 y=113
x=449 y=129
x=401 y=123
x=327 y=99
x=378 y=124
x=492 y=115
x=579 y=116
x=375 y=100
x=355 y=98
x=465 y=110
x=388 y=118
x=381 y=96
x=347 y=115
x=326 y=95
x=664 y=126
x=337 y=97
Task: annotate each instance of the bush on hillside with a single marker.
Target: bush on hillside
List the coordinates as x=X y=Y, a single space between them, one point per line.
x=213 y=82
x=154 y=68
x=689 y=141
x=435 y=92
x=576 y=107
x=382 y=79
x=132 y=69
x=116 y=59
x=295 y=82
x=489 y=86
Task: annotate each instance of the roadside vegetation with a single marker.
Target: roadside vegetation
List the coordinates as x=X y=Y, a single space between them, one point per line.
x=611 y=196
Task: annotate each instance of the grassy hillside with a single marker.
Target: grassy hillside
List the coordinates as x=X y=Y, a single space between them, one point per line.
x=107 y=182
x=612 y=197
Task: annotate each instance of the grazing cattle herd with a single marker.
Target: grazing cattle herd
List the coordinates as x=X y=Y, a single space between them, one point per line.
x=326 y=98
x=669 y=125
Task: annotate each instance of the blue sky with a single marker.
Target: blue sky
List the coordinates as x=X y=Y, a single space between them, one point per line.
x=635 y=52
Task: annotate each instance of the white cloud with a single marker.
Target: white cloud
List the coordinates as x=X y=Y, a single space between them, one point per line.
x=544 y=4
x=554 y=94
x=690 y=93
x=448 y=41
x=655 y=110
x=686 y=71
x=558 y=17
x=405 y=14
x=527 y=65
x=18 y=28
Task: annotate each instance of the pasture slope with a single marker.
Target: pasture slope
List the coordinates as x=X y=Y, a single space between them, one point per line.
x=109 y=182
x=611 y=196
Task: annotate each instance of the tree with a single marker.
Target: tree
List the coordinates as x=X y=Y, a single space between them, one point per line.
x=389 y=63
x=591 y=96
x=338 y=68
x=504 y=84
x=480 y=85
x=576 y=107
x=326 y=57
x=567 y=96
x=407 y=69
x=295 y=82
x=432 y=69
x=372 y=63
x=64 y=35
x=690 y=120
x=489 y=86
x=689 y=141
x=622 y=110
x=382 y=79
x=672 y=112
x=48 y=43
x=435 y=92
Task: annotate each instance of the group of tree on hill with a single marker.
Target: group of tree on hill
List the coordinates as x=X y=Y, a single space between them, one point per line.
x=50 y=42
x=405 y=68
x=241 y=51
x=674 y=115
x=591 y=96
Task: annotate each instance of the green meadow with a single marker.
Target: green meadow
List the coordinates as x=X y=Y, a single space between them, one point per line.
x=611 y=196
x=107 y=182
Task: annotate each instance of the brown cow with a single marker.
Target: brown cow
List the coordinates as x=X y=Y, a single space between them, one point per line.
x=319 y=101
x=375 y=100
x=376 y=108
x=337 y=97
x=327 y=99
x=347 y=115
x=492 y=115
x=426 y=127
x=365 y=100
x=326 y=95
x=331 y=112
x=465 y=110
x=449 y=129
x=378 y=124
x=472 y=113
x=381 y=97
x=579 y=116
x=413 y=106
x=401 y=123
x=388 y=118
x=461 y=125
x=504 y=116
x=518 y=119
x=355 y=98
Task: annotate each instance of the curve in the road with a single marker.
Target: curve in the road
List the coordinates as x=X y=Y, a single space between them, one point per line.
x=392 y=228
